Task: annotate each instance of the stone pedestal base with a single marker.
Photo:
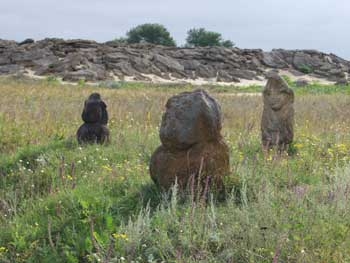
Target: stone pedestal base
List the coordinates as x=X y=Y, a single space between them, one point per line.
x=93 y=133
x=208 y=162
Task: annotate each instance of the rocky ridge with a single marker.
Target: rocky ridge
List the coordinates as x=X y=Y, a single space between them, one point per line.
x=74 y=60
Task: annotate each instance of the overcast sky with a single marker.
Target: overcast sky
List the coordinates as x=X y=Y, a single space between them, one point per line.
x=266 y=24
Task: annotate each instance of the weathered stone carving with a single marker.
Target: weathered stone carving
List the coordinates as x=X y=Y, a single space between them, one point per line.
x=192 y=146
x=95 y=117
x=278 y=114
x=95 y=110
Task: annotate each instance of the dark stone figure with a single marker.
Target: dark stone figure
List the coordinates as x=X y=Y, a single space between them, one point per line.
x=193 y=152
x=95 y=110
x=95 y=117
x=93 y=133
x=278 y=114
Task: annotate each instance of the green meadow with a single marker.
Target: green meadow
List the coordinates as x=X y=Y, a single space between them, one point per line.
x=60 y=202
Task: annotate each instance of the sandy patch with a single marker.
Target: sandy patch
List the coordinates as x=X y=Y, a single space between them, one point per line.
x=241 y=94
x=31 y=74
x=212 y=81
x=309 y=78
x=196 y=82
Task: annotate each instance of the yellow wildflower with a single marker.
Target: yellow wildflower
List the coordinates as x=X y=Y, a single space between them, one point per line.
x=120 y=236
x=241 y=156
x=342 y=147
x=3 y=250
x=299 y=145
x=108 y=168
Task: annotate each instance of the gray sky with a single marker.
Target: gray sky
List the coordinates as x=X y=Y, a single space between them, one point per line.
x=266 y=24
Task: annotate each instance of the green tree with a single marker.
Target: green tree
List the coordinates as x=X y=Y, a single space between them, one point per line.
x=203 y=38
x=227 y=43
x=117 y=41
x=150 y=33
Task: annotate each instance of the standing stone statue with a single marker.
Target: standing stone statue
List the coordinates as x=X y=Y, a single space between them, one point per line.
x=278 y=115
x=95 y=117
x=95 y=110
x=193 y=150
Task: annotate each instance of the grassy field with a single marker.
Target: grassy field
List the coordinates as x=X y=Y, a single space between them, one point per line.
x=63 y=203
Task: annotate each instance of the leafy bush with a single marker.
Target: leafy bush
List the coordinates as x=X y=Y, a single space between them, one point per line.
x=305 y=69
x=227 y=43
x=203 y=38
x=150 y=33
x=288 y=80
x=119 y=40
x=52 y=80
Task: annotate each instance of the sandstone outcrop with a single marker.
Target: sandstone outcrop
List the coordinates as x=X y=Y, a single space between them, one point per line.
x=74 y=60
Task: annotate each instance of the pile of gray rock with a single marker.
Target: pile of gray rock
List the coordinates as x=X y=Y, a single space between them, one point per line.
x=74 y=60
